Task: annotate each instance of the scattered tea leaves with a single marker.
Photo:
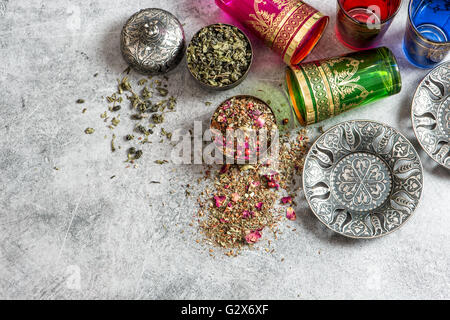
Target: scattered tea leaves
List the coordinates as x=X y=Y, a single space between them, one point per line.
x=158 y=118
x=162 y=91
x=115 y=122
x=138 y=154
x=148 y=108
x=113 y=147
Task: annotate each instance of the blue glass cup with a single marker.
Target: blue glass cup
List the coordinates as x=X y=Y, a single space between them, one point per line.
x=427 y=35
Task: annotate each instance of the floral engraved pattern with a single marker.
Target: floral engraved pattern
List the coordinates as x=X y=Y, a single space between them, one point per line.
x=154 y=54
x=344 y=83
x=278 y=21
x=431 y=114
x=266 y=23
x=362 y=179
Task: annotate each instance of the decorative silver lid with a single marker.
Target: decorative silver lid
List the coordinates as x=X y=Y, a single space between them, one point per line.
x=152 y=41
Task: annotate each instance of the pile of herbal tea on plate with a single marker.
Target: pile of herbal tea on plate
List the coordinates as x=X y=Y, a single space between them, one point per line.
x=241 y=204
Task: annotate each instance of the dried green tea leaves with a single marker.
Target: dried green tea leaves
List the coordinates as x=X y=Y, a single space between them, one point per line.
x=219 y=55
x=144 y=112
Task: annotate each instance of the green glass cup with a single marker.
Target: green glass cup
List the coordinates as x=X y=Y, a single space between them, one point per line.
x=322 y=89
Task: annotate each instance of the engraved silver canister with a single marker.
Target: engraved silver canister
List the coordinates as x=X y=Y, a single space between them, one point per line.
x=152 y=41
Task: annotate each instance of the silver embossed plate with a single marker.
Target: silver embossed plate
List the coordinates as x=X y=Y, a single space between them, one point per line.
x=430 y=114
x=362 y=179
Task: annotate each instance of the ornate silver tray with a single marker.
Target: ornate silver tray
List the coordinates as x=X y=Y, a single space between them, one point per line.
x=430 y=114
x=362 y=179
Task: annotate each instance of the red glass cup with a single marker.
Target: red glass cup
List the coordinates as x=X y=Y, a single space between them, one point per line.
x=361 y=24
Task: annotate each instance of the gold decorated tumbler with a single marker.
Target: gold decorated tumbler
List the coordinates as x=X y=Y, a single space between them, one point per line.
x=291 y=28
x=322 y=89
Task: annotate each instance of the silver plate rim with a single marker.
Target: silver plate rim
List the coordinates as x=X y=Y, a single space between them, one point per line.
x=412 y=113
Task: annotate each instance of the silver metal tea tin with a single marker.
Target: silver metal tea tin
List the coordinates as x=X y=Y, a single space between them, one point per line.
x=152 y=41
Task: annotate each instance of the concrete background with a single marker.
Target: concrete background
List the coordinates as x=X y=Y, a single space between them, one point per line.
x=74 y=233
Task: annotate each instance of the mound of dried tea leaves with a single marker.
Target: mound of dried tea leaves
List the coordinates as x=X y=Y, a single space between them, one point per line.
x=219 y=55
x=241 y=204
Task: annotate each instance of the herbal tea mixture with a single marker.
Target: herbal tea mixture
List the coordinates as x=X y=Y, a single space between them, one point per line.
x=241 y=204
x=147 y=106
x=219 y=55
x=248 y=114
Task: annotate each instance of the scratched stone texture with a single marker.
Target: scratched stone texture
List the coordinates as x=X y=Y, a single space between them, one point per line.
x=74 y=233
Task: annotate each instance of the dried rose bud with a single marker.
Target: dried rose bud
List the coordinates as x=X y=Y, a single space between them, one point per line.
x=273 y=184
x=235 y=197
x=259 y=205
x=285 y=200
x=253 y=236
x=290 y=214
x=260 y=122
x=219 y=200
x=221 y=118
x=255 y=183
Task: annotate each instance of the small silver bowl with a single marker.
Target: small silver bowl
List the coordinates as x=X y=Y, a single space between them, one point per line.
x=231 y=85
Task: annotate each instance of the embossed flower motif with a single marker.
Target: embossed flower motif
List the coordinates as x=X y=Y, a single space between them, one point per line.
x=332 y=141
x=361 y=182
x=421 y=102
x=429 y=140
x=393 y=219
x=401 y=148
x=358 y=227
x=412 y=185
x=324 y=210
x=369 y=130
x=313 y=173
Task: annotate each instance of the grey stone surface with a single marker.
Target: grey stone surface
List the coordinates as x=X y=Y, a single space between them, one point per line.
x=75 y=233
